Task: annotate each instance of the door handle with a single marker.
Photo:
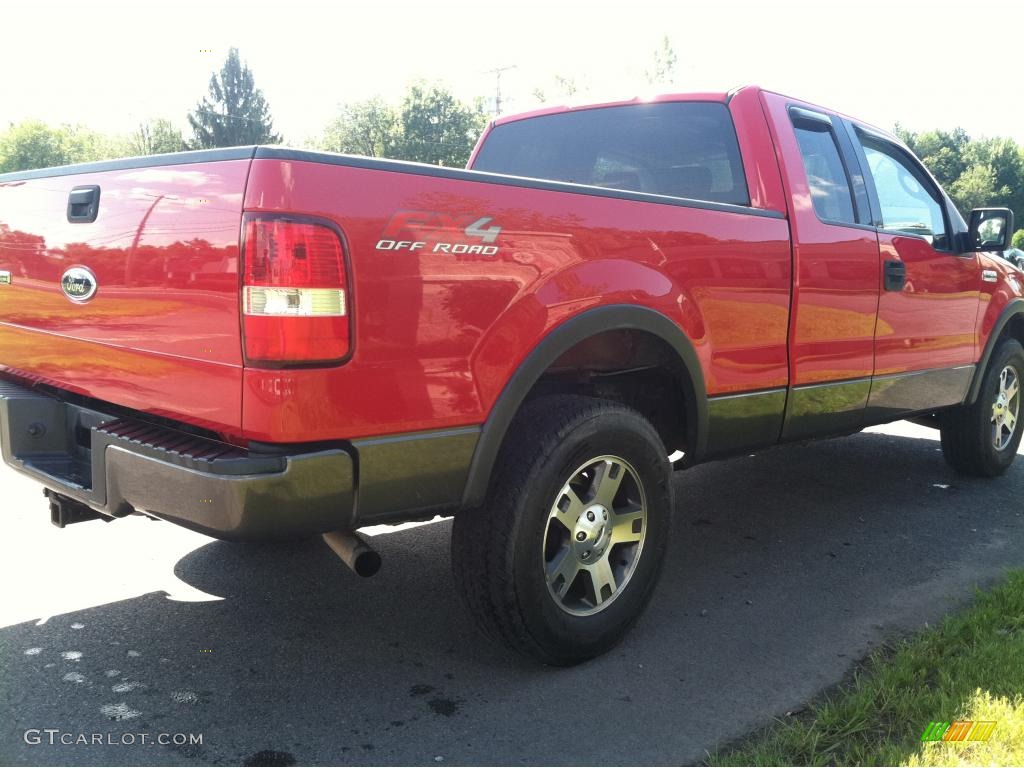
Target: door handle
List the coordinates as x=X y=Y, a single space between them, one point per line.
x=83 y=204
x=895 y=275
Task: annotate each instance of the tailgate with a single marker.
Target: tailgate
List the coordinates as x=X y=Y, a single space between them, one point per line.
x=161 y=332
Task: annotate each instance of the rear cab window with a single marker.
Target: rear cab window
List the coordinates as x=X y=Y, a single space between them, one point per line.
x=680 y=149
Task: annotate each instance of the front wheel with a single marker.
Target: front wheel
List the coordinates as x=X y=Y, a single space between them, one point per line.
x=982 y=439
x=563 y=556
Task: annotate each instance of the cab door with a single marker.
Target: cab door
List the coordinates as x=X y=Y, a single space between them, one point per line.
x=836 y=284
x=925 y=346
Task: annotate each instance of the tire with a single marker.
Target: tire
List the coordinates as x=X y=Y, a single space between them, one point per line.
x=525 y=561
x=970 y=442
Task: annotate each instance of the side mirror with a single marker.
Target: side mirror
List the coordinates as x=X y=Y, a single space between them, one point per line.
x=990 y=229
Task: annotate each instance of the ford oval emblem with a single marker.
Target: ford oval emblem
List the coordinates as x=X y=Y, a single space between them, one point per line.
x=79 y=284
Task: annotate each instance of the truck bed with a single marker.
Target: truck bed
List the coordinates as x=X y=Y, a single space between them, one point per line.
x=436 y=334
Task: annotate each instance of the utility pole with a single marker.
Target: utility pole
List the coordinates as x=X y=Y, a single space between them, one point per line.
x=497 y=85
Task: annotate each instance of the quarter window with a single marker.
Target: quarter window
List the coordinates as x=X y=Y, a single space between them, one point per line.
x=826 y=175
x=909 y=202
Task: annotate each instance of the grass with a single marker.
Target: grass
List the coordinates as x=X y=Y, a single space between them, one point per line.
x=970 y=667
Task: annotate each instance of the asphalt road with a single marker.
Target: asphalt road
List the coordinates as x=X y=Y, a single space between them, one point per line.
x=784 y=569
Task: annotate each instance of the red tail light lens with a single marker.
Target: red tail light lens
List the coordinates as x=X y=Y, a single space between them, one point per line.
x=294 y=293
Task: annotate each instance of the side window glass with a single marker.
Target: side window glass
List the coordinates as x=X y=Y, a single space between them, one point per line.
x=908 y=200
x=826 y=175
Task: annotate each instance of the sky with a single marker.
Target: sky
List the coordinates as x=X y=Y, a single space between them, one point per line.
x=110 y=65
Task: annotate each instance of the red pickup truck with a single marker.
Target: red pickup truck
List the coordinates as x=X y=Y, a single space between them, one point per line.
x=261 y=342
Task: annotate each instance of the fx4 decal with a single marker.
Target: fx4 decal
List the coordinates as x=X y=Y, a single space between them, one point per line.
x=436 y=232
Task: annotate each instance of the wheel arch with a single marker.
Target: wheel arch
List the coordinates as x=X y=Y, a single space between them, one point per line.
x=1010 y=323
x=559 y=341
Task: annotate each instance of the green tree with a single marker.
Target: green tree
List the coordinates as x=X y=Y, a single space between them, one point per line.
x=976 y=188
x=1006 y=159
x=1018 y=239
x=34 y=144
x=664 y=70
x=235 y=112
x=942 y=151
x=975 y=172
x=562 y=88
x=368 y=128
x=156 y=137
x=436 y=127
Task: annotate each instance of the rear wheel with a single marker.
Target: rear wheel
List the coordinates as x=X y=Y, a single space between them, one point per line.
x=562 y=558
x=982 y=439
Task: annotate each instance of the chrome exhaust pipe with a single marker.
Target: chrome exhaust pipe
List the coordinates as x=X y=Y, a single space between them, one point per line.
x=354 y=552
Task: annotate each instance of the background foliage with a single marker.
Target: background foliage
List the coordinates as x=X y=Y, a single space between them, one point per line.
x=234 y=113
x=34 y=144
x=430 y=125
x=975 y=172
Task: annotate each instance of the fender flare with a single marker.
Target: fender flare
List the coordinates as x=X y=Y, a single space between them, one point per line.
x=1013 y=309
x=560 y=340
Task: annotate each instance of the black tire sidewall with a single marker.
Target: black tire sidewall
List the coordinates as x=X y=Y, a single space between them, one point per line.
x=1009 y=352
x=565 y=637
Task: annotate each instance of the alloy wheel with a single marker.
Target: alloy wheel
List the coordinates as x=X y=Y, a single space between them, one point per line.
x=1006 y=408
x=595 y=535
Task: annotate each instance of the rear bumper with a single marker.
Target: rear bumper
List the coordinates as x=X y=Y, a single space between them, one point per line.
x=117 y=466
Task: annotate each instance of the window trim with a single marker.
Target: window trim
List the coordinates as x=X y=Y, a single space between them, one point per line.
x=855 y=183
x=920 y=173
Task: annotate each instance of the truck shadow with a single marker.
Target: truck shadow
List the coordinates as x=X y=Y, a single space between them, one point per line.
x=783 y=570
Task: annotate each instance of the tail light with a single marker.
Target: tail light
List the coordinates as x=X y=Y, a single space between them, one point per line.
x=294 y=292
